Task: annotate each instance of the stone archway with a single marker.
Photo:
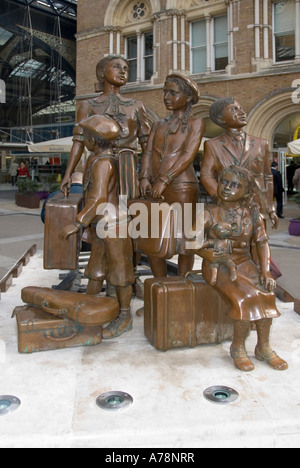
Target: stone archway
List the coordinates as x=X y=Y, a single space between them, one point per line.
x=270 y=112
x=201 y=110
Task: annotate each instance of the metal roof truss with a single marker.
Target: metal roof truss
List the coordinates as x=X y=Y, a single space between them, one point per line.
x=55 y=7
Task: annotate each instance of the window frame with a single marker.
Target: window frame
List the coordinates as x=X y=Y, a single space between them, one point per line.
x=131 y=59
x=214 y=44
x=210 y=48
x=193 y=48
x=275 y=35
x=140 y=61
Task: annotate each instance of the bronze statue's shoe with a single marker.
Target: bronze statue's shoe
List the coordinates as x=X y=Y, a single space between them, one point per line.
x=272 y=359
x=140 y=312
x=241 y=360
x=122 y=324
x=139 y=289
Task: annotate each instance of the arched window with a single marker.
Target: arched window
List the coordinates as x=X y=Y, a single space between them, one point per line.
x=131 y=21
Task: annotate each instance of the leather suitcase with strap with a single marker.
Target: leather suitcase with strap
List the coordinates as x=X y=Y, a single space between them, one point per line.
x=82 y=308
x=184 y=312
x=40 y=331
x=59 y=212
x=61 y=319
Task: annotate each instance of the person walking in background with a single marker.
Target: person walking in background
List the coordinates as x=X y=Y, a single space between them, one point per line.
x=13 y=171
x=23 y=171
x=278 y=188
x=296 y=179
x=290 y=171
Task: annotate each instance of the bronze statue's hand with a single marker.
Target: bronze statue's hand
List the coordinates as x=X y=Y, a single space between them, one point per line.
x=65 y=185
x=268 y=282
x=274 y=220
x=215 y=198
x=145 y=187
x=68 y=231
x=158 y=189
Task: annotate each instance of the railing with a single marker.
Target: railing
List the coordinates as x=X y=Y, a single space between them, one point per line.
x=15 y=271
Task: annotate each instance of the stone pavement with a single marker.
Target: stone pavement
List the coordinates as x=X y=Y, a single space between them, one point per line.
x=20 y=228
x=58 y=389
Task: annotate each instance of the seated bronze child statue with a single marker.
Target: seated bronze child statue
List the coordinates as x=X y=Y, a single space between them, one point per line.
x=252 y=296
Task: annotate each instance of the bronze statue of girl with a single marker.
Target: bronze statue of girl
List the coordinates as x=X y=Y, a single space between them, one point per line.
x=252 y=296
x=112 y=74
x=167 y=170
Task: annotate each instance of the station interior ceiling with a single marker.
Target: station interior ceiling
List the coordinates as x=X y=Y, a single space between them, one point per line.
x=38 y=68
x=37 y=62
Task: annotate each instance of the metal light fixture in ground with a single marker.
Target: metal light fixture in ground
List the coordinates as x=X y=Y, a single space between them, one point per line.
x=8 y=404
x=221 y=395
x=113 y=401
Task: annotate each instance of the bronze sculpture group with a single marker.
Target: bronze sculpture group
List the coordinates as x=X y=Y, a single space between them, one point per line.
x=235 y=172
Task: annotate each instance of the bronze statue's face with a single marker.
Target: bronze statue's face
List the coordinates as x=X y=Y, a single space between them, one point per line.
x=231 y=188
x=174 y=98
x=234 y=116
x=116 y=72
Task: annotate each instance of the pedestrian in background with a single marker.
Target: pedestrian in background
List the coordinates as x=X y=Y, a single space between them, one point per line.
x=278 y=188
x=296 y=179
x=290 y=172
x=13 y=171
x=23 y=171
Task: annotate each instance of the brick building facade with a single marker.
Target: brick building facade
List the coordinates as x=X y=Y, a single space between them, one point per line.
x=249 y=49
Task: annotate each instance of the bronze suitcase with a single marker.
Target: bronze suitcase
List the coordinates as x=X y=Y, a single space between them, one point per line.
x=59 y=212
x=40 y=331
x=163 y=245
x=84 y=309
x=184 y=312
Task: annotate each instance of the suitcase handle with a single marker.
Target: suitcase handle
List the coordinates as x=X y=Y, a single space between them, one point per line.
x=60 y=312
x=199 y=272
x=49 y=336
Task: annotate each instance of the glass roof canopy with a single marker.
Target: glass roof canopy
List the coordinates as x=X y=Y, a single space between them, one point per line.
x=37 y=61
x=56 y=7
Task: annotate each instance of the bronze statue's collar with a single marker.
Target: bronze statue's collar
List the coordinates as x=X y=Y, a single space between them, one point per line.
x=236 y=135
